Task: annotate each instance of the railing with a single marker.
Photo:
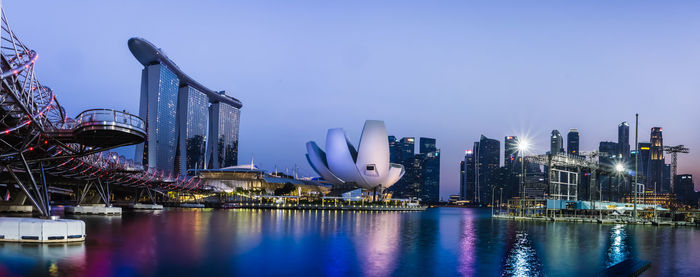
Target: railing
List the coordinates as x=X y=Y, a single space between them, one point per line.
x=107 y=116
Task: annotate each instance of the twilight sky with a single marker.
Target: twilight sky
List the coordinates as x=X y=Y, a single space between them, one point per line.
x=451 y=70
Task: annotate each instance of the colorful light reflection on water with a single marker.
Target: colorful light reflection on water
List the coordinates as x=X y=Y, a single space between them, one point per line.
x=442 y=241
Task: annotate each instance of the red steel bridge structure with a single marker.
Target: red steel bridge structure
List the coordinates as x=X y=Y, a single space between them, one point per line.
x=40 y=144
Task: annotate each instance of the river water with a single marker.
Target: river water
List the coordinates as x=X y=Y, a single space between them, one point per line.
x=439 y=241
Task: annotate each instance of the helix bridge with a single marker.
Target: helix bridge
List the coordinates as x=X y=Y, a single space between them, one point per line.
x=40 y=144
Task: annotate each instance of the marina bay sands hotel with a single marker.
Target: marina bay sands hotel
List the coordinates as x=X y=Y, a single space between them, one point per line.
x=188 y=125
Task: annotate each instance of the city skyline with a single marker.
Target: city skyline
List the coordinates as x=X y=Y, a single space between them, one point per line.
x=277 y=70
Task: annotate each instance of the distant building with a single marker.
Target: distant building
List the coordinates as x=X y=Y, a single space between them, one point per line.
x=395 y=149
x=685 y=189
x=657 y=162
x=608 y=155
x=572 y=142
x=510 y=152
x=468 y=182
x=430 y=176
x=642 y=162
x=557 y=143
x=623 y=141
x=422 y=177
x=462 y=183
x=408 y=148
x=427 y=145
x=488 y=164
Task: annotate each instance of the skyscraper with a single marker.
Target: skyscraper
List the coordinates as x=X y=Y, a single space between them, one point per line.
x=557 y=143
x=510 y=152
x=430 y=176
x=394 y=150
x=608 y=155
x=572 y=141
x=181 y=125
x=656 y=162
x=427 y=145
x=488 y=164
x=223 y=135
x=623 y=141
x=159 y=92
x=643 y=163
x=422 y=177
x=408 y=148
x=194 y=114
x=467 y=189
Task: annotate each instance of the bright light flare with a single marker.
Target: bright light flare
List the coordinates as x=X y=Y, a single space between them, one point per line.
x=523 y=145
x=619 y=167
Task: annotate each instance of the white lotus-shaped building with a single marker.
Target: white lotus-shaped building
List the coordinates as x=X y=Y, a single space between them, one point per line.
x=367 y=167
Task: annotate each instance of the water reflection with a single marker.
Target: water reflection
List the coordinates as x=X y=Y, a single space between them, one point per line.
x=437 y=242
x=522 y=258
x=618 y=248
x=467 y=253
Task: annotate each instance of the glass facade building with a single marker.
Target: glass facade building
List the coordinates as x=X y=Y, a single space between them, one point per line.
x=194 y=117
x=656 y=161
x=159 y=94
x=572 y=142
x=223 y=133
x=184 y=119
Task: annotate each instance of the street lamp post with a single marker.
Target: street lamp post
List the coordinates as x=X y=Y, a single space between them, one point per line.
x=500 y=202
x=493 y=188
x=636 y=157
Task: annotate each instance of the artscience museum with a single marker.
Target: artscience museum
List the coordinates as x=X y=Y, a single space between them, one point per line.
x=366 y=167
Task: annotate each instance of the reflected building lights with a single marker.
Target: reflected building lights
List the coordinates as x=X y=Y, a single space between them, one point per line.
x=522 y=258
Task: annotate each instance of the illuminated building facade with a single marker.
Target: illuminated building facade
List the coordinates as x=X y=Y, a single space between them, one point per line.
x=224 y=120
x=193 y=119
x=179 y=113
x=572 y=142
x=488 y=164
x=623 y=141
x=556 y=143
x=510 y=152
x=656 y=161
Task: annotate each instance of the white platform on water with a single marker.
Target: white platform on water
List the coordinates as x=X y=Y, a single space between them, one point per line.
x=139 y=206
x=16 y=208
x=191 y=205
x=22 y=229
x=93 y=209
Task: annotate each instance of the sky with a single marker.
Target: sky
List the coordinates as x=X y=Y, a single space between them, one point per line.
x=451 y=70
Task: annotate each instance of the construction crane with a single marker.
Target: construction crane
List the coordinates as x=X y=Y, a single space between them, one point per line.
x=674 y=150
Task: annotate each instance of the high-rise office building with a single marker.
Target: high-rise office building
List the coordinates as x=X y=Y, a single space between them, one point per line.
x=557 y=143
x=394 y=150
x=462 y=179
x=488 y=163
x=427 y=145
x=656 y=160
x=422 y=177
x=467 y=182
x=183 y=118
x=510 y=153
x=643 y=163
x=408 y=148
x=685 y=189
x=608 y=155
x=430 y=176
x=623 y=141
x=572 y=142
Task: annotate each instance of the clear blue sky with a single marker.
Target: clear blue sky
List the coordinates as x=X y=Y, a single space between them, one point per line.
x=446 y=69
